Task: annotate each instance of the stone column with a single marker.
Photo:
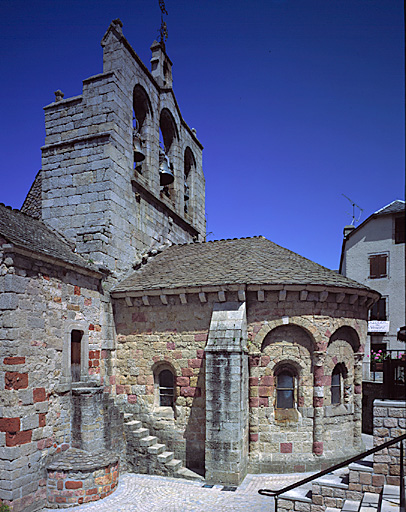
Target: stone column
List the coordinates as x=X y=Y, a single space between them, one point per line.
x=318 y=401
x=88 y=422
x=358 y=364
x=226 y=451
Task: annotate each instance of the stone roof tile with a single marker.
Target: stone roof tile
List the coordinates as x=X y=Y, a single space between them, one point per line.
x=32 y=234
x=238 y=261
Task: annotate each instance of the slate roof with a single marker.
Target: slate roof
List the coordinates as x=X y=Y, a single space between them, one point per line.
x=32 y=204
x=397 y=206
x=32 y=234
x=238 y=261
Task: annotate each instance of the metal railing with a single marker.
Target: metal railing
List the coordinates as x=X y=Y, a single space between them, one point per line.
x=400 y=439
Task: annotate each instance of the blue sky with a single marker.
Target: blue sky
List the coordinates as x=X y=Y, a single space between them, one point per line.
x=295 y=101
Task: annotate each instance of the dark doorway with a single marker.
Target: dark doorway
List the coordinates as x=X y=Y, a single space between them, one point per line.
x=75 y=349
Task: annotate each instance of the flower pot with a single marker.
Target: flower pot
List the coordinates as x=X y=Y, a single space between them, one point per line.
x=379 y=367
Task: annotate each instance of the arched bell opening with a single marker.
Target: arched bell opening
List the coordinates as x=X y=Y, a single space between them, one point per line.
x=168 y=134
x=189 y=164
x=141 y=112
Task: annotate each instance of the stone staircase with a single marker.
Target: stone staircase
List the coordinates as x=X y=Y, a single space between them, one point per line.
x=347 y=489
x=145 y=454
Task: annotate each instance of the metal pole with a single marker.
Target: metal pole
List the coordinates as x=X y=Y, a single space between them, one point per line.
x=402 y=480
x=276 y=504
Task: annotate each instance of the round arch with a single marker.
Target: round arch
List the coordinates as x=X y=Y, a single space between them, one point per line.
x=348 y=334
x=141 y=105
x=168 y=128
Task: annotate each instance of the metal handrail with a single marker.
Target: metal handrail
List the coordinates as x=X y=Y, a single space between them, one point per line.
x=399 y=439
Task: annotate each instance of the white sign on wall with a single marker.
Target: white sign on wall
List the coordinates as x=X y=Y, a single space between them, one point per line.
x=378 y=326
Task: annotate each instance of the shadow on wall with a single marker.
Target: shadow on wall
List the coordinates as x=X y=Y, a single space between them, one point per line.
x=195 y=432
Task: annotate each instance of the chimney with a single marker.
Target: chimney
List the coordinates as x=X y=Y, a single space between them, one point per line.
x=348 y=230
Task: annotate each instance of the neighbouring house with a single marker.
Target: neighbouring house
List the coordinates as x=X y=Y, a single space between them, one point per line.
x=373 y=253
x=129 y=343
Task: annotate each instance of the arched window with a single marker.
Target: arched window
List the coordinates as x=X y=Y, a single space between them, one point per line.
x=166 y=388
x=76 y=349
x=339 y=373
x=189 y=164
x=285 y=389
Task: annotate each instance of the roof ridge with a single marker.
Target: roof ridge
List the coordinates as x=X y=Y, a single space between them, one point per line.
x=218 y=240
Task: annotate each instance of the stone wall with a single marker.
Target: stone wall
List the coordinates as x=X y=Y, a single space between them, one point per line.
x=158 y=336
x=39 y=305
x=389 y=422
x=311 y=333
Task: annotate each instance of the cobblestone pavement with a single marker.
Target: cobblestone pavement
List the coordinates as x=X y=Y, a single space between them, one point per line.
x=148 y=493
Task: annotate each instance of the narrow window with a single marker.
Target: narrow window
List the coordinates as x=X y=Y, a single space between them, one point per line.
x=378 y=266
x=378 y=311
x=336 y=386
x=166 y=391
x=285 y=387
x=75 y=350
x=399 y=230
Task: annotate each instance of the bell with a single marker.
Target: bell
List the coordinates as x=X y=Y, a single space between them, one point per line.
x=139 y=155
x=166 y=176
x=186 y=193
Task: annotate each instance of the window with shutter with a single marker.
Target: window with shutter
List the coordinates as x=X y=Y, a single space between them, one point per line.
x=378 y=266
x=400 y=230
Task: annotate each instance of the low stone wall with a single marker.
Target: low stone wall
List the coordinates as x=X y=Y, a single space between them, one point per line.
x=389 y=422
x=77 y=477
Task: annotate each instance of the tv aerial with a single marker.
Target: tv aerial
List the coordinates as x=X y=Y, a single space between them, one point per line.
x=355 y=217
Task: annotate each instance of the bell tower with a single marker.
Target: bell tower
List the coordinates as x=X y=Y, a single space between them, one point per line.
x=121 y=170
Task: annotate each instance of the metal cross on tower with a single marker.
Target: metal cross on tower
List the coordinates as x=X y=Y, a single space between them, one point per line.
x=163 y=31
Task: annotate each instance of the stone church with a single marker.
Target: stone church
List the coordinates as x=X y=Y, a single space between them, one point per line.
x=129 y=343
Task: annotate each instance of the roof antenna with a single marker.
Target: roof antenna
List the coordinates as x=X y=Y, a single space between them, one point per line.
x=163 y=31
x=354 y=207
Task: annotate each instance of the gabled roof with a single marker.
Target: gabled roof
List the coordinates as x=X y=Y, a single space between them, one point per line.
x=25 y=232
x=397 y=206
x=238 y=261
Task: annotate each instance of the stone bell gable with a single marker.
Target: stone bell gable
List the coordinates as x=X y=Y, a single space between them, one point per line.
x=105 y=156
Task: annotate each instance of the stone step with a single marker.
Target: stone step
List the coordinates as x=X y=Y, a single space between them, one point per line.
x=351 y=506
x=188 y=474
x=174 y=465
x=127 y=416
x=363 y=466
x=139 y=433
x=390 y=492
x=332 y=509
x=156 y=449
x=333 y=480
x=166 y=457
x=389 y=506
x=133 y=424
x=148 y=441
x=370 y=501
x=302 y=493
x=390 y=498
